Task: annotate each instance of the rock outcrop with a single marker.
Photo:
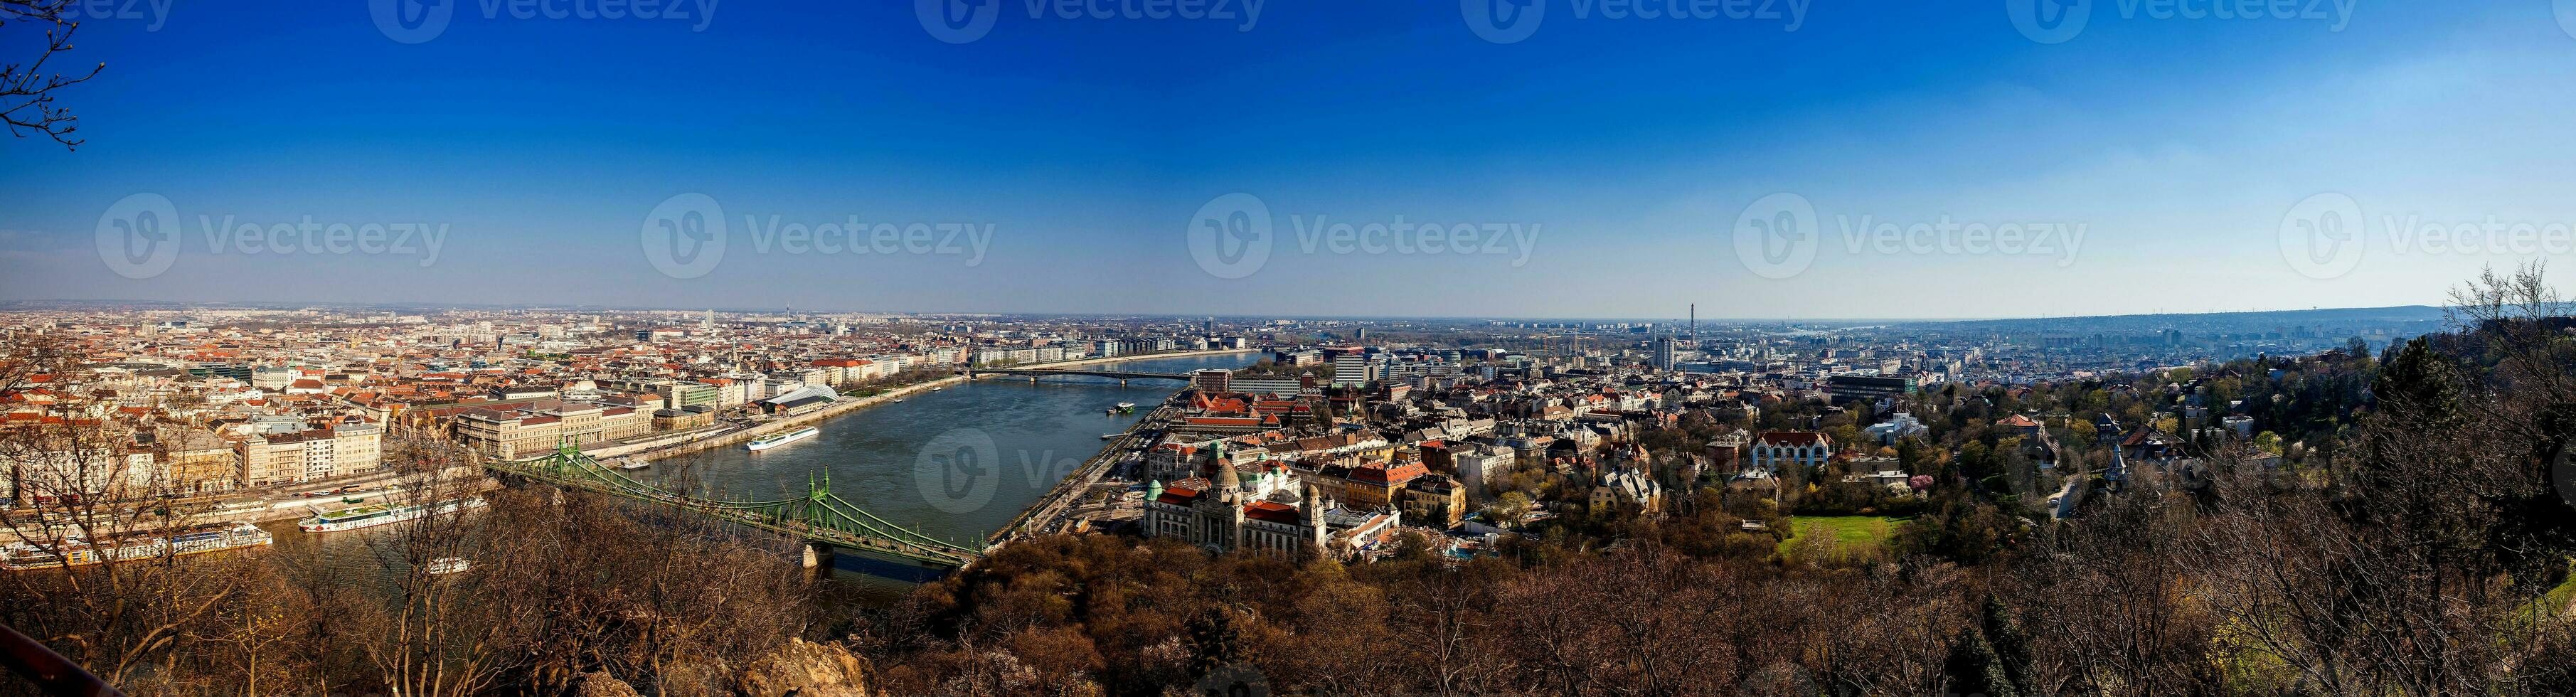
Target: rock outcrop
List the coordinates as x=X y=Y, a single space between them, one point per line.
x=807 y=669
x=601 y=684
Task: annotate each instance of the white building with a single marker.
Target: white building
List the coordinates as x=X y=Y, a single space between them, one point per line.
x=1774 y=449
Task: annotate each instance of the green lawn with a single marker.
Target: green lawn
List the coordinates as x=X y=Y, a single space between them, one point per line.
x=1849 y=530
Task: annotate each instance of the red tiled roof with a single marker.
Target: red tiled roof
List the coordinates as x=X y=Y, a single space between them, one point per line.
x=1178 y=497
x=1271 y=511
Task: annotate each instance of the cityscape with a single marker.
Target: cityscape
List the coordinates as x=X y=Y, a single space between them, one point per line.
x=621 y=349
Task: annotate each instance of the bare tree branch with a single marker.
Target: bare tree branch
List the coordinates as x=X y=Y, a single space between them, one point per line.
x=26 y=90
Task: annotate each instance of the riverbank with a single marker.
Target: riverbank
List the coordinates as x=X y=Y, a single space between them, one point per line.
x=1141 y=357
x=382 y=488
x=1043 y=514
x=718 y=439
x=1046 y=513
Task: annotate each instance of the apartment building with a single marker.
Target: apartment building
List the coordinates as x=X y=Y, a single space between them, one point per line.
x=334 y=450
x=1480 y=465
x=197 y=461
x=537 y=428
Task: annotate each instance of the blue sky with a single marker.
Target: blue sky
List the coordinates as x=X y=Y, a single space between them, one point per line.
x=1605 y=164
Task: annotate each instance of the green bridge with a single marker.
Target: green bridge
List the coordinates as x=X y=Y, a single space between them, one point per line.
x=818 y=517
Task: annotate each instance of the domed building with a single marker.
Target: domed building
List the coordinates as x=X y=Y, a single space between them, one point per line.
x=1221 y=514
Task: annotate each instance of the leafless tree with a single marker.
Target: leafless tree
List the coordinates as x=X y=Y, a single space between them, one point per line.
x=84 y=480
x=433 y=637
x=27 y=91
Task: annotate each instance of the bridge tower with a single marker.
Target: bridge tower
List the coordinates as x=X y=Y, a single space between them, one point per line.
x=817 y=554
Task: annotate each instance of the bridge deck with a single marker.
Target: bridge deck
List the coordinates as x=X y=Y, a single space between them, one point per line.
x=818 y=516
x=1115 y=374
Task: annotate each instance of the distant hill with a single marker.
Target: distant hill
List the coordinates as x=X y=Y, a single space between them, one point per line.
x=2315 y=318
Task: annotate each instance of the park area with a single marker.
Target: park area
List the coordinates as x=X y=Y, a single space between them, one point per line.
x=1855 y=534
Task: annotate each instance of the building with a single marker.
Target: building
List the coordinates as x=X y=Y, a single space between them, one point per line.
x=1899 y=427
x=1211 y=380
x=1625 y=488
x=1867 y=388
x=681 y=394
x=1480 y=466
x=1271 y=386
x=1726 y=452
x=1352 y=369
x=1368 y=486
x=1436 y=499
x=109 y=473
x=335 y=450
x=682 y=419
x=799 y=401
x=197 y=461
x=1220 y=515
x=541 y=427
x=1665 y=354
x=1298 y=357
x=2019 y=425
x=1774 y=449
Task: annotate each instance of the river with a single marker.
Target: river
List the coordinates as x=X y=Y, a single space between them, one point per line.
x=958 y=463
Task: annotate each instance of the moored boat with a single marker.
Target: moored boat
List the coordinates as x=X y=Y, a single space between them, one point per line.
x=74 y=551
x=778 y=439
x=381 y=514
